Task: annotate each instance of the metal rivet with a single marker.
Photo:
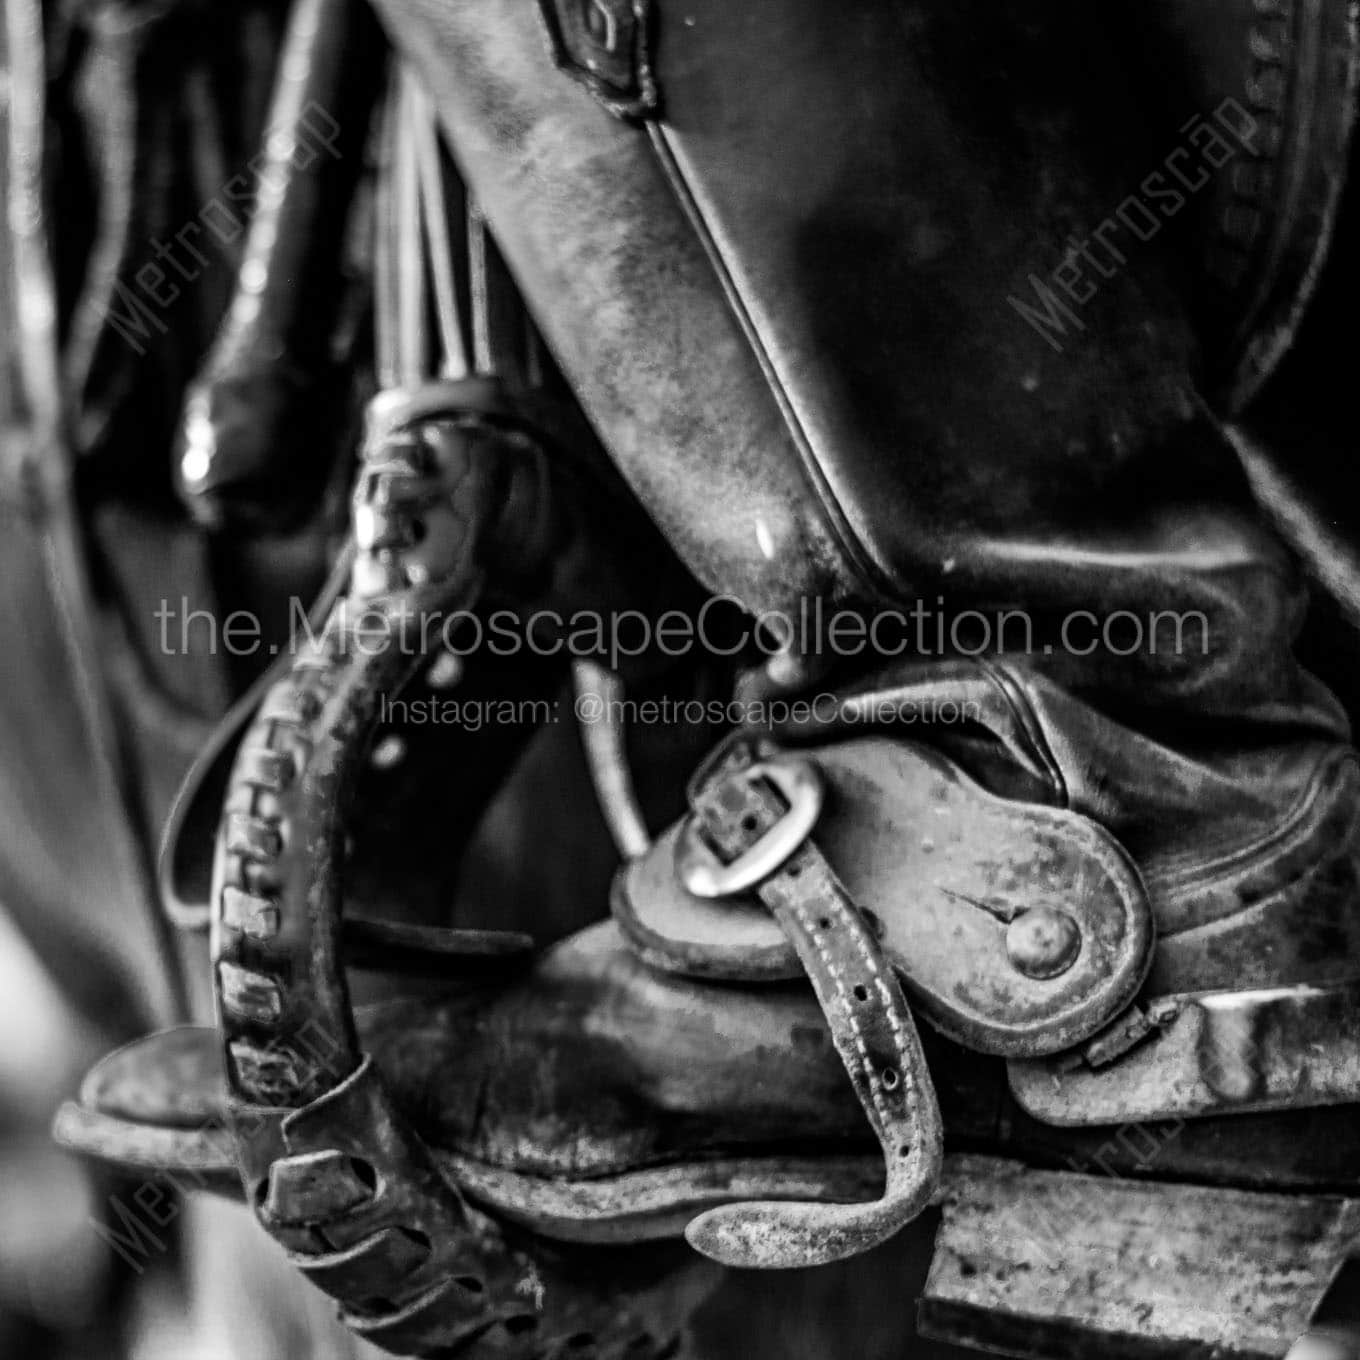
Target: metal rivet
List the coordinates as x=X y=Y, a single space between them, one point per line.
x=1043 y=943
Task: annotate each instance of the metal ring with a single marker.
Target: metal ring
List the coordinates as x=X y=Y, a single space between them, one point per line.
x=800 y=783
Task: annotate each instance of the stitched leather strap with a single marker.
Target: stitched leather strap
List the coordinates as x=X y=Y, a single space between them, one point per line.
x=736 y=808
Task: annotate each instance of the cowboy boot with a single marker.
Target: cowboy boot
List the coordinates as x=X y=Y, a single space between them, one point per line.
x=1118 y=847
x=876 y=439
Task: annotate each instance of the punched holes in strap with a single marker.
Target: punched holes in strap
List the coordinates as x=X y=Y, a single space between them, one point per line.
x=749 y=829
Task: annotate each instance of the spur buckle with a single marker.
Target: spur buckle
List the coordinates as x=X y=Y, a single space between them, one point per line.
x=705 y=874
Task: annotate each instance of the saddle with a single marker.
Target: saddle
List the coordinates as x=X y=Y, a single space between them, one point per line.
x=858 y=322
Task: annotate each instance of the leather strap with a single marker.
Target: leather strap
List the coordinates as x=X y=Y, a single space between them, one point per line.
x=1026 y=931
x=736 y=808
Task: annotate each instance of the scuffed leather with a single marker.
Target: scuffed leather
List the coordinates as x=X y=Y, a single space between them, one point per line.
x=1242 y=826
x=942 y=866
x=595 y=1066
x=837 y=942
x=802 y=425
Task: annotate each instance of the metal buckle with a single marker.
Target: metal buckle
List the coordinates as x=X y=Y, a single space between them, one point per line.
x=705 y=875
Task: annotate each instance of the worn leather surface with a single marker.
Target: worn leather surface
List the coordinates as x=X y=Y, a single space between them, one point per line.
x=941 y=143
x=1240 y=830
x=736 y=808
x=594 y=1066
x=800 y=424
x=943 y=867
x=655 y=1065
x=919 y=442
x=1242 y=835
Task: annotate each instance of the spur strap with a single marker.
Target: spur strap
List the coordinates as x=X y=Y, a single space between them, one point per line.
x=750 y=832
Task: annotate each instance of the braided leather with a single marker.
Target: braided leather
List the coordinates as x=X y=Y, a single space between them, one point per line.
x=333 y=1170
